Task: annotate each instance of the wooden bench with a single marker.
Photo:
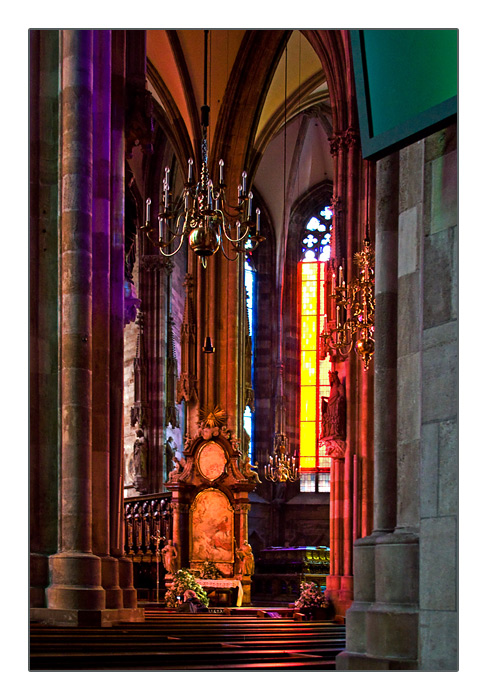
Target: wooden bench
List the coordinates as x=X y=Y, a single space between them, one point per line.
x=190 y=642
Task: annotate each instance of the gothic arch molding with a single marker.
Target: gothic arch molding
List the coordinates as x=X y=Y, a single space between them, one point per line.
x=334 y=52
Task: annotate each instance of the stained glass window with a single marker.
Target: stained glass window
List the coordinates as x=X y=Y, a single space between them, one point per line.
x=315 y=251
x=316 y=241
x=250 y=286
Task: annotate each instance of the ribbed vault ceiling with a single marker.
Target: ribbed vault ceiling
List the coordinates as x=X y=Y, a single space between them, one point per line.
x=297 y=89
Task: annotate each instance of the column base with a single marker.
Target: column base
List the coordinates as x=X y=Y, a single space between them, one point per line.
x=85 y=618
x=340 y=590
x=75 y=582
x=392 y=631
x=246 y=585
x=110 y=582
x=126 y=580
x=39 y=579
x=348 y=661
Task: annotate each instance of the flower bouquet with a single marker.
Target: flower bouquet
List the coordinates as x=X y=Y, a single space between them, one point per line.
x=210 y=570
x=182 y=581
x=311 y=600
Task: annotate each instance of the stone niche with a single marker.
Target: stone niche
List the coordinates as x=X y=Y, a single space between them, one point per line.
x=210 y=503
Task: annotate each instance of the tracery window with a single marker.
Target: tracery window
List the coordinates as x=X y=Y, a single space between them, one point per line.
x=316 y=241
x=314 y=381
x=250 y=276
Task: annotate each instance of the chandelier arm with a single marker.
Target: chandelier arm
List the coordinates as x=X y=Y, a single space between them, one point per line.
x=226 y=206
x=225 y=252
x=169 y=255
x=239 y=239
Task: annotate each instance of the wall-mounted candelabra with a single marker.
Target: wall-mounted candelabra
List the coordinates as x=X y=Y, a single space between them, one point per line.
x=354 y=307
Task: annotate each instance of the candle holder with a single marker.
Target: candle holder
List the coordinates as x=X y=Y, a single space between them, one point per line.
x=354 y=313
x=281 y=467
x=201 y=214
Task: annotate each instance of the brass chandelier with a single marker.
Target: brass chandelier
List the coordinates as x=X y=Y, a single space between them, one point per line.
x=201 y=214
x=354 y=312
x=354 y=304
x=281 y=467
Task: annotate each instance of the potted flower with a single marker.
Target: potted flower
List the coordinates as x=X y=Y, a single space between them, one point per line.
x=183 y=580
x=314 y=603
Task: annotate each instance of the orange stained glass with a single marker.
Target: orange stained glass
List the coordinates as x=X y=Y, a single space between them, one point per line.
x=308 y=403
x=307 y=440
x=308 y=368
x=308 y=333
x=314 y=371
x=307 y=463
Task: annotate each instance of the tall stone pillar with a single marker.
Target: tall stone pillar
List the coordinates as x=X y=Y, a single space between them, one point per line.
x=75 y=571
x=350 y=458
x=382 y=622
x=101 y=316
x=117 y=278
x=385 y=360
x=43 y=306
x=155 y=270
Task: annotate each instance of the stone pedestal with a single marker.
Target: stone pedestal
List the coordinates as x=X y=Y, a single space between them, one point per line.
x=246 y=585
x=76 y=582
x=382 y=623
x=126 y=578
x=110 y=582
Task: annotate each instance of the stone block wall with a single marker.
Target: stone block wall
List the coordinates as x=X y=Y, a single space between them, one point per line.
x=438 y=524
x=405 y=612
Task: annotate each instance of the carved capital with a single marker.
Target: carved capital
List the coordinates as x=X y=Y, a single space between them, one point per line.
x=334 y=448
x=188 y=281
x=351 y=137
x=153 y=263
x=336 y=204
x=343 y=141
x=336 y=144
x=242 y=508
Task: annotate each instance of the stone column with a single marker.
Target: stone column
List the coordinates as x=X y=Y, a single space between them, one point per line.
x=43 y=321
x=391 y=627
x=242 y=508
x=382 y=622
x=394 y=615
x=117 y=276
x=385 y=426
x=75 y=571
x=180 y=531
x=101 y=317
x=155 y=270
x=339 y=581
x=349 y=226
x=385 y=388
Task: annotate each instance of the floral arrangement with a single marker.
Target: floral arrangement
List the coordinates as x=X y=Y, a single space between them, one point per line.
x=312 y=597
x=210 y=570
x=183 y=580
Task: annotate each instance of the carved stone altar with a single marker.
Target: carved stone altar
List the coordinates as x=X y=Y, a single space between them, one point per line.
x=210 y=504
